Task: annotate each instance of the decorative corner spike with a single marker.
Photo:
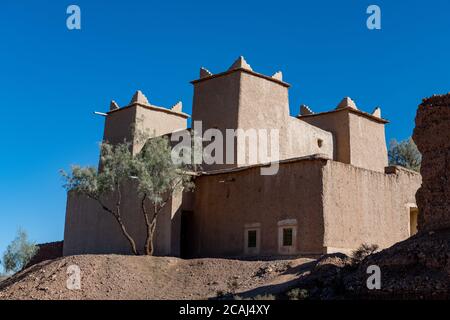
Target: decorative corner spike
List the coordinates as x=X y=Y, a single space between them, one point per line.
x=377 y=112
x=240 y=63
x=113 y=106
x=178 y=107
x=139 y=97
x=305 y=110
x=278 y=75
x=204 y=73
x=347 y=102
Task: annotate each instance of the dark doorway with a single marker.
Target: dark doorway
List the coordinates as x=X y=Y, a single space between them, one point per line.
x=185 y=230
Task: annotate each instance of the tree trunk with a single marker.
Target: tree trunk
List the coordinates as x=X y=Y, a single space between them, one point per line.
x=151 y=225
x=152 y=232
x=127 y=235
x=122 y=225
x=148 y=225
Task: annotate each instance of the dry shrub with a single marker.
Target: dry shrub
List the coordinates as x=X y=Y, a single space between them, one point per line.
x=363 y=251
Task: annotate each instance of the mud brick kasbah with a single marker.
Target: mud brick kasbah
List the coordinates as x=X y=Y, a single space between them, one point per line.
x=333 y=190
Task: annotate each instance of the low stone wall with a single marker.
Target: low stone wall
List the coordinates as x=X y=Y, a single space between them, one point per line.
x=432 y=136
x=47 y=251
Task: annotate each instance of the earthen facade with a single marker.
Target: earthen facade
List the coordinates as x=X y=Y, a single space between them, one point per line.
x=333 y=190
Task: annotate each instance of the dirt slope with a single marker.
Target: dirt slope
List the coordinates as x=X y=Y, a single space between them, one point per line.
x=416 y=268
x=130 y=277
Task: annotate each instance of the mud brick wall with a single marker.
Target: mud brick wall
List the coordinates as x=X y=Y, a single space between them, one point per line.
x=432 y=136
x=47 y=251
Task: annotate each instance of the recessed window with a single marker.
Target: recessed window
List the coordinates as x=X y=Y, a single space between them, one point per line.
x=320 y=143
x=287 y=237
x=251 y=238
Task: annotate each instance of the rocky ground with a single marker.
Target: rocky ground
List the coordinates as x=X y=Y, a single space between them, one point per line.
x=417 y=268
x=131 y=277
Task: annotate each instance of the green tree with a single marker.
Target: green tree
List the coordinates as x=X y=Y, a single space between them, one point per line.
x=152 y=171
x=405 y=154
x=18 y=253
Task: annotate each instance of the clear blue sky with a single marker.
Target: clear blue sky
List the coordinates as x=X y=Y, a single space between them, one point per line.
x=52 y=79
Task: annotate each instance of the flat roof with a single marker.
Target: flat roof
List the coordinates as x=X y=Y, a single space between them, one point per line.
x=355 y=111
x=317 y=156
x=151 y=107
x=256 y=74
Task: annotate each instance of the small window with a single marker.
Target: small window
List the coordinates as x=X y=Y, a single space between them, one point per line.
x=287 y=237
x=251 y=239
x=320 y=143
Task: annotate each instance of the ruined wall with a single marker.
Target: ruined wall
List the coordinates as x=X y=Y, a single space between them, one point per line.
x=364 y=206
x=432 y=136
x=46 y=251
x=91 y=230
x=225 y=203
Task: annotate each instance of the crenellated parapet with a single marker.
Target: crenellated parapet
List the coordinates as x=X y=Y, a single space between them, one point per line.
x=359 y=137
x=122 y=122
